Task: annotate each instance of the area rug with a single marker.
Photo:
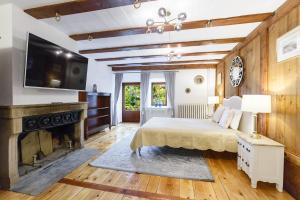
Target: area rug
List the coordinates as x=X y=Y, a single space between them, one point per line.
x=161 y=161
x=38 y=181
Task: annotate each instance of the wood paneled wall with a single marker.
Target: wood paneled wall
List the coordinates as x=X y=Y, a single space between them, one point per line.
x=264 y=75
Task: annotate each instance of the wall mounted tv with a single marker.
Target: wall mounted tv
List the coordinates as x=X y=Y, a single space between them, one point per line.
x=51 y=66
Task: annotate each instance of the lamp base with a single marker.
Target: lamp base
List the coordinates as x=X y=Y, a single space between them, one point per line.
x=255 y=136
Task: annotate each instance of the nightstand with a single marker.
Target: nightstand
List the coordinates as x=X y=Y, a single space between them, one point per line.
x=261 y=159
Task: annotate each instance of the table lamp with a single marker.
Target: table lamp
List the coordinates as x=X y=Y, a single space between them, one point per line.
x=256 y=104
x=213 y=100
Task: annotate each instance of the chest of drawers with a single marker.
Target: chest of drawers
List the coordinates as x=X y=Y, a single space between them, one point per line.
x=261 y=159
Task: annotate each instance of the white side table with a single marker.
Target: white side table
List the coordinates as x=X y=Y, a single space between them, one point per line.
x=261 y=159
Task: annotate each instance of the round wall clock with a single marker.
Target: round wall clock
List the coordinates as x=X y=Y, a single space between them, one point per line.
x=236 y=71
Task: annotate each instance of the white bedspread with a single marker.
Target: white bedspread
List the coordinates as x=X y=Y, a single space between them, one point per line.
x=186 y=133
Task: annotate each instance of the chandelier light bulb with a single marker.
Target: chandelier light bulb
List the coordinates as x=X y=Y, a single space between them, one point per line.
x=182 y=16
x=150 y=22
x=178 y=26
x=160 y=29
x=162 y=12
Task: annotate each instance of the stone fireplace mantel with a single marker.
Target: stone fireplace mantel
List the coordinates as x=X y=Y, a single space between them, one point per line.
x=11 y=126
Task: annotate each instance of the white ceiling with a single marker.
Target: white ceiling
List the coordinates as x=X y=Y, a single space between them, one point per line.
x=25 y=4
x=128 y=16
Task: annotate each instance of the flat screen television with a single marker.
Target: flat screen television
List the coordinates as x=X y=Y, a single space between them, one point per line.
x=54 y=67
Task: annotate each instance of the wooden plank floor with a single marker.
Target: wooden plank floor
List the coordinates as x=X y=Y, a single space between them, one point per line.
x=91 y=183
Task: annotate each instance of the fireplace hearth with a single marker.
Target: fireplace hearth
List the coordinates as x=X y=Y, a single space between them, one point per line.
x=33 y=136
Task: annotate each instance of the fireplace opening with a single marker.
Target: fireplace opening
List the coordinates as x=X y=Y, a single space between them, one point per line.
x=41 y=147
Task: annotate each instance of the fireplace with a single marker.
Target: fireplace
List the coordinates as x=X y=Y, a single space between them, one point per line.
x=46 y=138
x=32 y=136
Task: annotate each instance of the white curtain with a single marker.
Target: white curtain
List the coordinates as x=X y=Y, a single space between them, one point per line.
x=170 y=84
x=118 y=85
x=145 y=79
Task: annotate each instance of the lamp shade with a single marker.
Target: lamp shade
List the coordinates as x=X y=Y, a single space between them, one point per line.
x=213 y=100
x=256 y=103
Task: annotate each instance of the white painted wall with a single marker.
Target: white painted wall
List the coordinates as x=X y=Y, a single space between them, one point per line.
x=15 y=25
x=5 y=55
x=199 y=93
x=184 y=79
x=101 y=75
x=22 y=24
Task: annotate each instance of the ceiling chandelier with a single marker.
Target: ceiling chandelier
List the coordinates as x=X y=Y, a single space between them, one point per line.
x=172 y=54
x=164 y=14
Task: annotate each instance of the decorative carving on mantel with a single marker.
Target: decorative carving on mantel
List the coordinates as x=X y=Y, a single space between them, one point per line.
x=38 y=122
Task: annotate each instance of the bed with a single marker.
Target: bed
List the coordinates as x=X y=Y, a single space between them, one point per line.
x=191 y=133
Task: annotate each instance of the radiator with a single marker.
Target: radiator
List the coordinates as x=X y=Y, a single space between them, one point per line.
x=194 y=111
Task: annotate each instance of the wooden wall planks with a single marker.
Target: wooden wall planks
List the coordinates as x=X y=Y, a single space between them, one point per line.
x=284 y=86
x=264 y=75
x=220 y=87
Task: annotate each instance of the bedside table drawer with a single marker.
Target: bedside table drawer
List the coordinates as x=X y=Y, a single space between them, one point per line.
x=244 y=156
x=244 y=148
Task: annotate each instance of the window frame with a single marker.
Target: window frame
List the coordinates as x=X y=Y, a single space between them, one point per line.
x=152 y=98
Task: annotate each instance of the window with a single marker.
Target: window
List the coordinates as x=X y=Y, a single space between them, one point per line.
x=159 y=94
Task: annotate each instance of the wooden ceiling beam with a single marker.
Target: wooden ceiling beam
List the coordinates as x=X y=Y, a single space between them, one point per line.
x=165 y=67
x=77 y=6
x=185 y=26
x=164 y=45
x=162 y=55
x=165 y=63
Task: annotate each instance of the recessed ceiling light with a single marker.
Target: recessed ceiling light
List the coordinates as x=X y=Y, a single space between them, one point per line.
x=57 y=17
x=90 y=38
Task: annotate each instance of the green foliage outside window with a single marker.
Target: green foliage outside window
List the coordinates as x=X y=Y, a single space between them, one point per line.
x=132 y=97
x=159 y=94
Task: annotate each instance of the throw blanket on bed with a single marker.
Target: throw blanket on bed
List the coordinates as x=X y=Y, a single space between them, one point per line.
x=186 y=133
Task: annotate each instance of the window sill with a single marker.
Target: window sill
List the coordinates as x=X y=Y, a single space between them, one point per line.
x=158 y=108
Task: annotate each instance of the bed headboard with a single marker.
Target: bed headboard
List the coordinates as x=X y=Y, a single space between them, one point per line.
x=235 y=102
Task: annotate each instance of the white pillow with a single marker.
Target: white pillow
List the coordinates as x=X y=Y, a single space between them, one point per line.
x=226 y=118
x=236 y=119
x=218 y=114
